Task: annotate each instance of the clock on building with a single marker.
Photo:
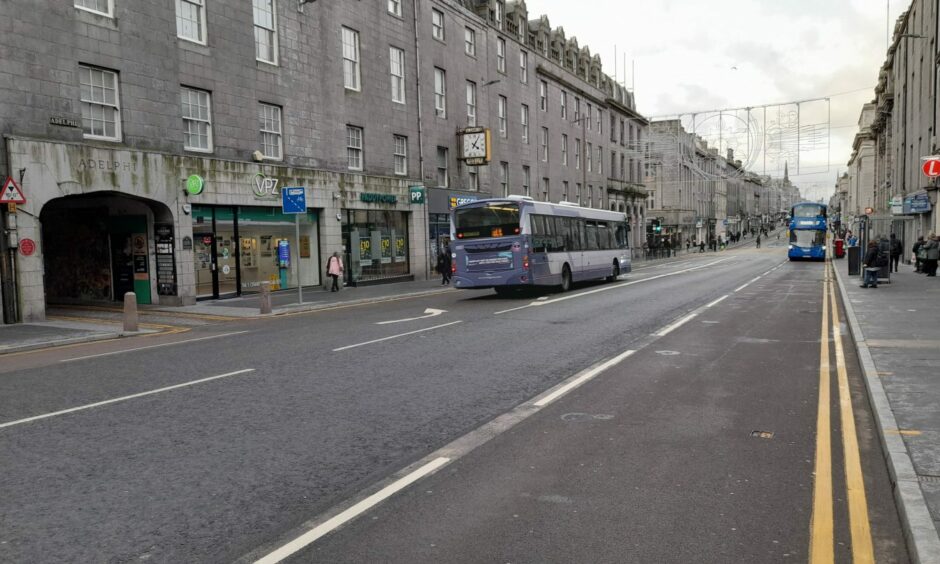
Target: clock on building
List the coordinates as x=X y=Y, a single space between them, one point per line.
x=476 y=146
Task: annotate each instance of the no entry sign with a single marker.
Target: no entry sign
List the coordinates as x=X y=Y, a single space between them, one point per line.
x=27 y=247
x=931 y=168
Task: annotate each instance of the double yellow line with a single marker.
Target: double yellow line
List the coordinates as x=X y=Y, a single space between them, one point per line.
x=821 y=528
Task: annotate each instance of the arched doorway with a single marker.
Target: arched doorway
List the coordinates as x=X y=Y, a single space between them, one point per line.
x=98 y=246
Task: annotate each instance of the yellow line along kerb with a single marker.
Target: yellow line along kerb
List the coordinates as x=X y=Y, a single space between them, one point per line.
x=821 y=529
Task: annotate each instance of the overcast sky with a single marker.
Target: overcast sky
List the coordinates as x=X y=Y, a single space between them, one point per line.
x=698 y=55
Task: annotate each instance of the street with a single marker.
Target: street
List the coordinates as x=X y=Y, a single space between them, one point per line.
x=670 y=416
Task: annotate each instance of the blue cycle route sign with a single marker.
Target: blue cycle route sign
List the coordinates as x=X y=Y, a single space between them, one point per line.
x=294 y=199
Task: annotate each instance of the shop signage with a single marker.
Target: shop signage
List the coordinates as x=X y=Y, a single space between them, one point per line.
x=139 y=250
x=27 y=247
x=304 y=246
x=461 y=200
x=101 y=164
x=283 y=253
x=265 y=186
x=64 y=122
x=294 y=199
x=386 y=249
x=417 y=194
x=165 y=255
x=365 y=251
x=897 y=205
x=371 y=197
x=931 y=167
x=399 y=249
x=194 y=185
x=918 y=202
x=187 y=243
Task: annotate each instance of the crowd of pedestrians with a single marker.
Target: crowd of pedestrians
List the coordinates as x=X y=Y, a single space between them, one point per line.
x=663 y=247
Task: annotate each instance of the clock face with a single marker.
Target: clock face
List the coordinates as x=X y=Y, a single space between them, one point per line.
x=474 y=145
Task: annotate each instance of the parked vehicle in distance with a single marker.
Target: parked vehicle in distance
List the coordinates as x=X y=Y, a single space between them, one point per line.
x=807 y=231
x=516 y=242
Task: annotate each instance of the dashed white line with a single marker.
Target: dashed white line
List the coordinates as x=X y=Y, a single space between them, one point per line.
x=122 y=398
x=351 y=513
x=396 y=336
x=746 y=284
x=153 y=346
x=590 y=373
x=672 y=327
x=718 y=301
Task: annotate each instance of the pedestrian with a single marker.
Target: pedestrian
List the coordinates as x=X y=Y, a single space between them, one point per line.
x=688 y=244
x=872 y=264
x=932 y=248
x=444 y=265
x=758 y=240
x=334 y=268
x=701 y=246
x=896 y=250
x=918 y=256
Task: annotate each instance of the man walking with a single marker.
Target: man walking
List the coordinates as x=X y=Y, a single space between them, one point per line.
x=932 y=247
x=758 y=240
x=918 y=261
x=872 y=264
x=896 y=251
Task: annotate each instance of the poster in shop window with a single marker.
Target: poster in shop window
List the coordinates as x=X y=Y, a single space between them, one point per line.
x=386 y=249
x=365 y=251
x=400 y=249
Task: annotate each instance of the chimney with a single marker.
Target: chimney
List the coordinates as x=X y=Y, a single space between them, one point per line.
x=730 y=155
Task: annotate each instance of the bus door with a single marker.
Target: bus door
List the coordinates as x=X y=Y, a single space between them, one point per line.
x=540 y=244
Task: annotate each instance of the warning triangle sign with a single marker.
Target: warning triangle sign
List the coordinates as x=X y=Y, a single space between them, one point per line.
x=11 y=193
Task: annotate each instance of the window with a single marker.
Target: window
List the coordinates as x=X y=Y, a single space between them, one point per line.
x=394 y=7
x=590 y=196
x=524 y=67
x=622 y=139
x=266 y=32
x=564 y=190
x=473 y=180
x=577 y=193
x=351 y=59
x=587 y=155
x=471 y=103
x=504 y=178
x=577 y=154
x=590 y=117
x=600 y=121
x=197 y=120
x=470 y=42
x=102 y=7
x=526 y=179
x=440 y=93
x=191 y=20
x=498 y=15
x=543 y=95
x=600 y=160
x=502 y=109
x=401 y=155
x=545 y=144
x=622 y=167
x=564 y=149
x=613 y=164
x=564 y=105
x=437 y=24
x=396 y=62
x=269 y=117
x=544 y=189
x=501 y=55
x=443 y=179
x=613 y=127
x=577 y=108
x=101 y=110
x=353 y=147
x=525 y=123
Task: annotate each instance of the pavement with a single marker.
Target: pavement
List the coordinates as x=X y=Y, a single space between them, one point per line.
x=898 y=338
x=30 y=336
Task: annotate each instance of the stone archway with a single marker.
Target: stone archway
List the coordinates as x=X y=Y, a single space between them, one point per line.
x=99 y=245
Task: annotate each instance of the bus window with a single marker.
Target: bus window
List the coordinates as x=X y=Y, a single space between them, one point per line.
x=495 y=219
x=603 y=236
x=590 y=230
x=559 y=239
x=573 y=242
x=622 y=231
x=539 y=233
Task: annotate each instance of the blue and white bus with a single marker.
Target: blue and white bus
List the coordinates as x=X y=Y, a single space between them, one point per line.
x=807 y=231
x=515 y=242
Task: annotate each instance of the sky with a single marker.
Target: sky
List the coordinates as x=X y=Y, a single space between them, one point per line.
x=698 y=55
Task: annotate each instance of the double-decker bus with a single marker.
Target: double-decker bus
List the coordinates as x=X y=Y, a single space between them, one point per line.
x=807 y=231
x=515 y=242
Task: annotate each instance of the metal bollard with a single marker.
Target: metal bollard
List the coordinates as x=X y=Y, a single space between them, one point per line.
x=130 y=312
x=265 y=299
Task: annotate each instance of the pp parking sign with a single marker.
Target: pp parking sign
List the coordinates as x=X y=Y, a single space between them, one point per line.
x=417 y=194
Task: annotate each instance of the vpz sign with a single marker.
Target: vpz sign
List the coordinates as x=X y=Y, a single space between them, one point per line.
x=265 y=186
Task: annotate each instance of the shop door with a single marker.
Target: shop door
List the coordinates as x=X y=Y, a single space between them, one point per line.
x=204 y=256
x=215 y=253
x=130 y=260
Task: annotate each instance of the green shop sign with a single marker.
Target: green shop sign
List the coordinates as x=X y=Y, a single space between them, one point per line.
x=194 y=185
x=378 y=198
x=417 y=194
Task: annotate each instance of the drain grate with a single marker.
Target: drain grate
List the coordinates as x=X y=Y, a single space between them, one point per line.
x=762 y=434
x=929 y=479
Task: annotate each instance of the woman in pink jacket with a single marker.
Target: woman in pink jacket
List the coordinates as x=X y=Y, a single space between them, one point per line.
x=334 y=267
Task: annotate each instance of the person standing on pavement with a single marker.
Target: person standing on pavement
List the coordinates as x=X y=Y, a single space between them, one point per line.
x=758 y=240
x=896 y=251
x=918 y=261
x=444 y=262
x=871 y=264
x=334 y=268
x=932 y=247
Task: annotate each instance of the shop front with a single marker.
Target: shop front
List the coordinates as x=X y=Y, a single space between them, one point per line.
x=441 y=202
x=377 y=246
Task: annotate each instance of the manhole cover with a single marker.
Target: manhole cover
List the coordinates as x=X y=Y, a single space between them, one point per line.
x=576 y=417
x=667 y=353
x=929 y=479
x=762 y=434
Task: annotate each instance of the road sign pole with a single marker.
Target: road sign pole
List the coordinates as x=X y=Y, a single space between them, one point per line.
x=300 y=289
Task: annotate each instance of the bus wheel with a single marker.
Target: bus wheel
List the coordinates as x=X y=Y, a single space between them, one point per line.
x=565 y=279
x=614 y=273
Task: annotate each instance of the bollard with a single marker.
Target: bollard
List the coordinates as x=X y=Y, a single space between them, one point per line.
x=265 y=299
x=130 y=312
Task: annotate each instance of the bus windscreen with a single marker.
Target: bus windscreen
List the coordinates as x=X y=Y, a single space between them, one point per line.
x=808 y=210
x=493 y=219
x=807 y=238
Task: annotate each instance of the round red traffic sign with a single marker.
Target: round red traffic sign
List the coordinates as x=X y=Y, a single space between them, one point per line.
x=931 y=168
x=27 y=247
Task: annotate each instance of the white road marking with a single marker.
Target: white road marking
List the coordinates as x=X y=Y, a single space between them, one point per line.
x=123 y=398
x=153 y=346
x=609 y=287
x=388 y=491
x=672 y=327
x=718 y=301
x=591 y=373
x=395 y=336
x=429 y=312
x=746 y=284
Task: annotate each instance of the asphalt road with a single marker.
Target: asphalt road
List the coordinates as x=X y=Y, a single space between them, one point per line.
x=306 y=415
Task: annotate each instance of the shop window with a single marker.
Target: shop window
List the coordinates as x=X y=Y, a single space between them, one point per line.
x=377 y=244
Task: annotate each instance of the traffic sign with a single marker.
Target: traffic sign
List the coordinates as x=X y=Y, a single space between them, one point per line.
x=931 y=168
x=11 y=193
x=294 y=199
x=27 y=247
